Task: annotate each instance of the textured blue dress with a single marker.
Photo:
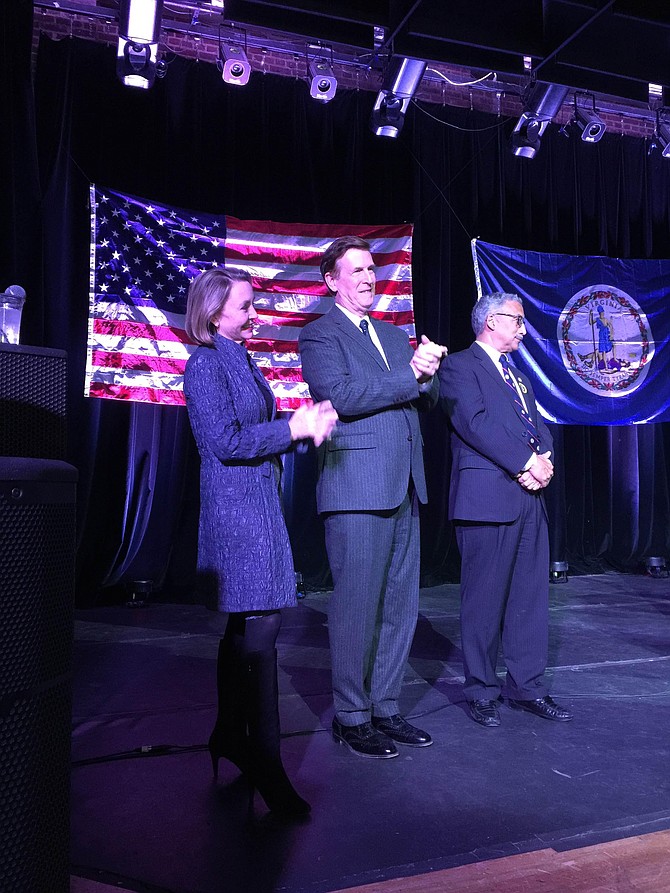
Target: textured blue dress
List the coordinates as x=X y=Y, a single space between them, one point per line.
x=244 y=554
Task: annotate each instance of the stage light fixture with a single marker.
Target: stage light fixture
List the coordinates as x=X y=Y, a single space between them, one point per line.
x=137 y=50
x=591 y=127
x=655 y=567
x=543 y=104
x=233 y=63
x=323 y=83
x=558 y=572
x=401 y=80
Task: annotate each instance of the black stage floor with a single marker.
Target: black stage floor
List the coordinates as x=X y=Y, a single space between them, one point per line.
x=144 y=677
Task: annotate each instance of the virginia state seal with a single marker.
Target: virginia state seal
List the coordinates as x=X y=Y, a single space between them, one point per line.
x=605 y=340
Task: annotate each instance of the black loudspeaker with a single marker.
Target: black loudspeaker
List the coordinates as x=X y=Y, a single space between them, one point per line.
x=33 y=401
x=37 y=559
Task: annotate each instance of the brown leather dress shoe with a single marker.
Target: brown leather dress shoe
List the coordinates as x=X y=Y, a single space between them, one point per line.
x=545 y=707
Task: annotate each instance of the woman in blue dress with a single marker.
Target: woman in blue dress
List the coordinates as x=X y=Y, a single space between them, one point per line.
x=245 y=566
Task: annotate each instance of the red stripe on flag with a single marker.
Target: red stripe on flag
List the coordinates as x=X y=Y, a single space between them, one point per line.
x=137 y=362
x=301 y=286
x=143 y=395
x=279 y=318
x=273 y=255
x=289 y=404
x=127 y=329
x=272 y=346
x=282 y=373
x=297 y=256
x=397 y=317
x=321 y=231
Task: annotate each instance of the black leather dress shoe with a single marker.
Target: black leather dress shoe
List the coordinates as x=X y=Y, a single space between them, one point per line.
x=397 y=728
x=545 y=707
x=485 y=712
x=365 y=740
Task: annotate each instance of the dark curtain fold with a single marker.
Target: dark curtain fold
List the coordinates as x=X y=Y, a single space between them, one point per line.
x=268 y=151
x=20 y=198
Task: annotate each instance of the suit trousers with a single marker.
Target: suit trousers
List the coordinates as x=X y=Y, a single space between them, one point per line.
x=374 y=560
x=505 y=596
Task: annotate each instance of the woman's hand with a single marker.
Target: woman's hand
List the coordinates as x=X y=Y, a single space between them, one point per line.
x=313 y=421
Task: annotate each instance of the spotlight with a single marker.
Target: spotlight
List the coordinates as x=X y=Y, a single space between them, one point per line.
x=543 y=104
x=136 y=63
x=591 y=127
x=388 y=115
x=139 y=592
x=323 y=83
x=526 y=136
x=233 y=64
x=655 y=567
x=137 y=51
x=558 y=572
x=401 y=80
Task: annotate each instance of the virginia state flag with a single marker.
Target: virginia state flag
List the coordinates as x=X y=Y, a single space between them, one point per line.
x=598 y=329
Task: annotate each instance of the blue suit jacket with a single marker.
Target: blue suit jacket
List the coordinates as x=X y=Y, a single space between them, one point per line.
x=489 y=437
x=377 y=445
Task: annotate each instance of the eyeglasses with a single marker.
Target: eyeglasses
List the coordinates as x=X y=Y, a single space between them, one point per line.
x=520 y=320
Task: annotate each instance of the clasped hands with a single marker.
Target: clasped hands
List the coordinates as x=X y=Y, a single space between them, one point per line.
x=313 y=421
x=539 y=474
x=426 y=359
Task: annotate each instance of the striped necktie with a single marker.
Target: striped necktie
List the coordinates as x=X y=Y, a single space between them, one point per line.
x=533 y=433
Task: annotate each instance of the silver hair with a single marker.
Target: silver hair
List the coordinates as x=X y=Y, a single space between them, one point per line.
x=487 y=305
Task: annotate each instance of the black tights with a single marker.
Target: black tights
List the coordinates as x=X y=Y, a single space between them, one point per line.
x=252 y=631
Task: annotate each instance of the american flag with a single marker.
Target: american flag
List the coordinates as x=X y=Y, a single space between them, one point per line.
x=143 y=256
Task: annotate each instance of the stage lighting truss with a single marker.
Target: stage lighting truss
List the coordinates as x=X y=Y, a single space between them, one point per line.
x=401 y=80
x=233 y=63
x=544 y=102
x=591 y=127
x=322 y=80
x=137 y=50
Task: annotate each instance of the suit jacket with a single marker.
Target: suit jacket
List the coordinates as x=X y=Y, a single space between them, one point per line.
x=489 y=437
x=377 y=445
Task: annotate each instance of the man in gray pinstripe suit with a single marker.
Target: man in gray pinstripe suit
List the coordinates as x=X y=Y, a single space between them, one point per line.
x=371 y=479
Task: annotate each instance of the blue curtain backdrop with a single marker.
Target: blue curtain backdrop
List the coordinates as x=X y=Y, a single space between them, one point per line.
x=268 y=151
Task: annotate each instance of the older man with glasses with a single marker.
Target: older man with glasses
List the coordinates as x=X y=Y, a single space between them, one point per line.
x=501 y=462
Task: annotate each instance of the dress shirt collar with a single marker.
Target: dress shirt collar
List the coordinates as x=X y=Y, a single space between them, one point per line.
x=492 y=352
x=354 y=317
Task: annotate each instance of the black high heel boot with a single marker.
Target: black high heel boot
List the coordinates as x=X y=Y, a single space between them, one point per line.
x=229 y=736
x=267 y=770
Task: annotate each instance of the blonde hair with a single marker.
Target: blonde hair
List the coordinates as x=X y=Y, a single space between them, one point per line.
x=207 y=295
